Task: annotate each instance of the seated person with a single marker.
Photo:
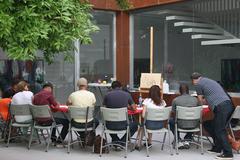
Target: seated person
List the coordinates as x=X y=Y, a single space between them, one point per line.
x=117 y=98
x=22 y=96
x=9 y=92
x=45 y=97
x=82 y=98
x=184 y=100
x=154 y=100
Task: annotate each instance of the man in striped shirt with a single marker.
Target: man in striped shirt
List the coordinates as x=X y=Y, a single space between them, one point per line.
x=222 y=108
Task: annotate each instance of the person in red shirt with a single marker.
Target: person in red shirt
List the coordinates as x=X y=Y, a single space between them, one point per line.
x=45 y=97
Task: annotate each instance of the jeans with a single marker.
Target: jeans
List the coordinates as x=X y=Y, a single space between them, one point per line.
x=121 y=126
x=82 y=125
x=217 y=127
x=64 y=130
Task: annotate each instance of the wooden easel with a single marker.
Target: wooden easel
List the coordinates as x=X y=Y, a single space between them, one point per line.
x=151 y=78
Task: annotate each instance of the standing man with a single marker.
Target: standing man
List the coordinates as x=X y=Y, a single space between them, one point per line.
x=117 y=98
x=222 y=108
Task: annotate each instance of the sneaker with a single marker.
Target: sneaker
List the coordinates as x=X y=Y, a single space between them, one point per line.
x=213 y=150
x=186 y=145
x=225 y=156
x=180 y=145
x=60 y=145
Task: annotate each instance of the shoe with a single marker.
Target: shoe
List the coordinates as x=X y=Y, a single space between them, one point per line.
x=138 y=148
x=180 y=145
x=149 y=145
x=60 y=145
x=225 y=156
x=186 y=145
x=213 y=150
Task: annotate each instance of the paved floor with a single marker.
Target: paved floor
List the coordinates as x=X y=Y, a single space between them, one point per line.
x=18 y=151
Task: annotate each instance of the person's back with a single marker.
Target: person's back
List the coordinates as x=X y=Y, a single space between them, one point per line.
x=117 y=98
x=23 y=96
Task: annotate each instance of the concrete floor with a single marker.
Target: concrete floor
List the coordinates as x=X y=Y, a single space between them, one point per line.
x=18 y=151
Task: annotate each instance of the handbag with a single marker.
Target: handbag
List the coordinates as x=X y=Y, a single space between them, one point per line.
x=234 y=143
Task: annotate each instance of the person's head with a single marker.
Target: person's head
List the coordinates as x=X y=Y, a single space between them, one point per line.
x=14 y=84
x=195 y=77
x=48 y=87
x=183 y=89
x=116 y=84
x=155 y=94
x=22 y=86
x=82 y=83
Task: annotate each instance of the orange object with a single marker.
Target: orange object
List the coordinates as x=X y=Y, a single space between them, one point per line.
x=4 y=108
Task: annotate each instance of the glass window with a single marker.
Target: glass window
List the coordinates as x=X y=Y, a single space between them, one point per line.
x=178 y=50
x=97 y=59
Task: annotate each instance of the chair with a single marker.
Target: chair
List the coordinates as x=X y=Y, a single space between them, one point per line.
x=235 y=115
x=76 y=112
x=114 y=115
x=185 y=114
x=43 y=111
x=18 y=110
x=158 y=115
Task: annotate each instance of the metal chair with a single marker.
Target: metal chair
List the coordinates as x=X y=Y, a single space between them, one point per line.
x=193 y=114
x=18 y=110
x=114 y=115
x=158 y=115
x=235 y=115
x=76 y=112
x=43 y=111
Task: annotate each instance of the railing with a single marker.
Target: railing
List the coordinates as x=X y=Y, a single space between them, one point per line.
x=224 y=13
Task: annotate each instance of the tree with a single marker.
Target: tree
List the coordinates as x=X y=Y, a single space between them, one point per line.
x=47 y=25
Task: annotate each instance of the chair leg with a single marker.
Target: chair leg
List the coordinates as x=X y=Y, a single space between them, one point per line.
x=176 y=139
x=101 y=146
x=69 y=139
x=59 y=135
x=164 y=138
x=201 y=139
x=146 y=140
x=169 y=141
x=45 y=140
x=126 y=143
x=9 y=134
x=30 y=140
x=48 y=139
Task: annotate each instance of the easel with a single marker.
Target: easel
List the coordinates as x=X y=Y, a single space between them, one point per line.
x=151 y=78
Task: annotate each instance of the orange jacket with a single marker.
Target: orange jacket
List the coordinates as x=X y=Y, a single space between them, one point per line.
x=4 y=108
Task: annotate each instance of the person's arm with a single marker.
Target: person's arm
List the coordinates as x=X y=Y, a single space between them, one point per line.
x=144 y=111
x=69 y=102
x=201 y=99
x=130 y=103
x=53 y=104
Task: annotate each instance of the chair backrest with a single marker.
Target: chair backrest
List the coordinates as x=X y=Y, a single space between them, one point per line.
x=41 y=111
x=19 y=110
x=236 y=113
x=158 y=114
x=114 y=114
x=189 y=113
x=76 y=112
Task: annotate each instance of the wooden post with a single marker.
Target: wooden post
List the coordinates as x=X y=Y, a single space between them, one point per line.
x=151 y=49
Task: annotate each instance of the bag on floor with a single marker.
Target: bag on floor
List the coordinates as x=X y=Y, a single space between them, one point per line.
x=90 y=137
x=97 y=144
x=234 y=143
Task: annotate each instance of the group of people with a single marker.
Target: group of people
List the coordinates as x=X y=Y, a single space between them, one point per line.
x=208 y=91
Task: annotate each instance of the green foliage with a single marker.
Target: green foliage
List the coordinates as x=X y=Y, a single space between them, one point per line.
x=47 y=25
x=123 y=4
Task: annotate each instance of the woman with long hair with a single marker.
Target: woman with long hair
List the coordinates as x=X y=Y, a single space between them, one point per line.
x=154 y=100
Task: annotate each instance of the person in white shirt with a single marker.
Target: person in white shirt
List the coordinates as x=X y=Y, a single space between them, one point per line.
x=154 y=100
x=23 y=96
